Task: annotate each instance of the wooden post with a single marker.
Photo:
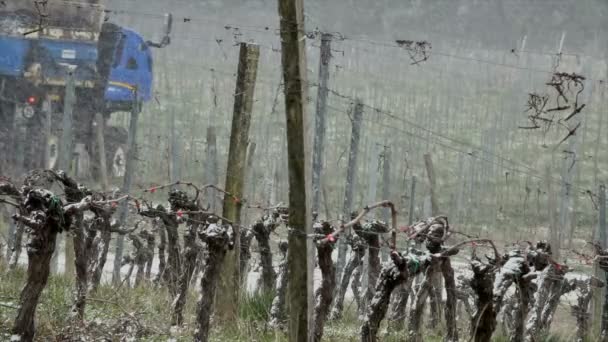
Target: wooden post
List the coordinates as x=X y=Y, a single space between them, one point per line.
x=64 y=159
x=459 y=205
x=372 y=187
x=101 y=150
x=8 y=134
x=573 y=169
x=322 y=91
x=430 y=171
x=351 y=174
x=372 y=173
x=386 y=192
x=299 y=261
x=175 y=164
x=228 y=298
x=250 y=179
x=412 y=201
x=471 y=212
x=551 y=209
x=66 y=144
x=47 y=109
x=211 y=167
x=602 y=234
x=126 y=186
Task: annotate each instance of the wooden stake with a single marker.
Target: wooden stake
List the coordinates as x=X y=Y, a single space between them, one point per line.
x=250 y=179
x=322 y=92
x=430 y=171
x=228 y=298
x=293 y=57
x=47 y=109
x=351 y=174
x=598 y=295
x=412 y=201
x=126 y=186
x=64 y=159
x=101 y=150
x=386 y=192
x=211 y=167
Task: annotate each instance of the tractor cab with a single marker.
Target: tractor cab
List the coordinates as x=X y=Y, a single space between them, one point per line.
x=130 y=73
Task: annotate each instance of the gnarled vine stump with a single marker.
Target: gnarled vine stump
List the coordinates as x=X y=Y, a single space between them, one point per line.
x=355 y=260
x=262 y=230
x=277 y=309
x=218 y=238
x=394 y=273
x=483 y=322
x=325 y=292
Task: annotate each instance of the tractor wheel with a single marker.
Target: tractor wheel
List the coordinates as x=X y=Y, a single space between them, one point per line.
x=116 y=150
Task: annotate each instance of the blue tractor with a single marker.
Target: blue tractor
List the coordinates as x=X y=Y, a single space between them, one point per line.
x=42 y=44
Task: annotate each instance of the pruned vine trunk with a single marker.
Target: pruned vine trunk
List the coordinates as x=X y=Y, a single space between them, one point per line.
x=277 y=310
x=417 y=309
x=171 y=270
x=174 y=264
x=580 y=310
x=559 y=286
x=162 y=245
x=191 y=251
x=450 y=306
x=435 y=302
x=355 y=286
x=97 y=269
x=40 y=251
x=325 y=293
x=393 y=274
x=355 y=260
x=524 y=295
x=16 y=247
x=45 y=216
x=262 y=230
x=373 y=266
x=246 y=237
x=483 y=322
x=534 y=324
x=217 y=238
x=399 y=309
x=151 y=241
x=141 y=256
x=604 y=324
x=81 y=263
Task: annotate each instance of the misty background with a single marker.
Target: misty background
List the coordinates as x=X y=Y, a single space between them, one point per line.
x=464 y=105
